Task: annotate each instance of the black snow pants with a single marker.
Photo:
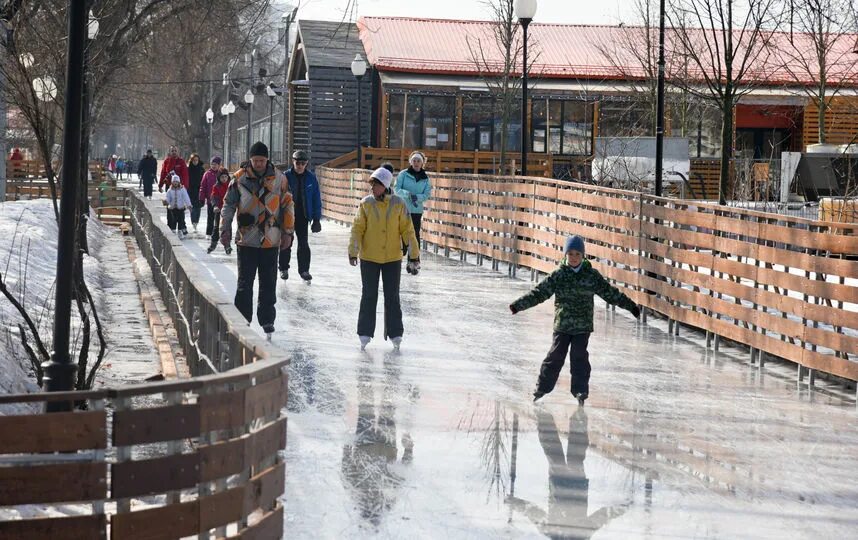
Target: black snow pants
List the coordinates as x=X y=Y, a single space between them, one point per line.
x=579 y=363
x=210 y=218
x=417 y=221
x=148 y=182
x=301 y=227
x=176 y=219
x=251 y=261
x=213 y=229
x=390 y=274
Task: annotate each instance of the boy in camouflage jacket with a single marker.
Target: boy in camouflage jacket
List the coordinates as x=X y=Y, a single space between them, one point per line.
x=573 y=286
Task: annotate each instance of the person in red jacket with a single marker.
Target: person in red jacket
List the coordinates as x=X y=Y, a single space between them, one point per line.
x=204 y=196
x=216 y=195
x=174 y=163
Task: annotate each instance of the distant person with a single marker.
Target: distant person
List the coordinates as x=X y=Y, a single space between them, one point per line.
x=195 y=178
x=216 y=197
x=573 y=285
x=147 y=171
x=173 y=163
x=414 y=187
x=120 y=167
x=259 y=199
x=177 y=202
x=380 y=227
x=209 y=181
x=308 y=209
x=16 y=155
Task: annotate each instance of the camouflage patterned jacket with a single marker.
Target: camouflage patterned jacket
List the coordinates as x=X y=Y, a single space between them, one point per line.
x=573 y=297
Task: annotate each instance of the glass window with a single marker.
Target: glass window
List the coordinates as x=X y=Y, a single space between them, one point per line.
x=513 y=131
x=413 y=121
x=577 y=128
x=539 y=123
x=438 y=122
x=395 y=117
x=555 y=115
x=624 y=119
x=477 y=124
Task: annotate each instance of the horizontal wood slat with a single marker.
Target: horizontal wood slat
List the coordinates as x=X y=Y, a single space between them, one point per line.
x=141 y=426
x=57 y=432
x=41 y=484
x=87 y=527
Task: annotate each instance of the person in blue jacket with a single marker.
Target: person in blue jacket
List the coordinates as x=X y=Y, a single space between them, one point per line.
x=308 y=210
x=413 y=186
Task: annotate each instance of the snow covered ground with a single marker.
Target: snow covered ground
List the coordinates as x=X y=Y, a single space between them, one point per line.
x=676 y=440
x=28 y=247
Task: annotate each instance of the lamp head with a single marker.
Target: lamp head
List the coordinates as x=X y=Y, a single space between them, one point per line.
x=358 y=66
x=525 y=10
x=248 y=97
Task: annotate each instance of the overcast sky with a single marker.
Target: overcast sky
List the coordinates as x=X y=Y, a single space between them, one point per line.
x=548 y=11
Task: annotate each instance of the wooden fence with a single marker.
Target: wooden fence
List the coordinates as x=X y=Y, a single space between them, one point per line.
x=109 y=203
x=160 y=460
x=785 y=286
x=17 y=169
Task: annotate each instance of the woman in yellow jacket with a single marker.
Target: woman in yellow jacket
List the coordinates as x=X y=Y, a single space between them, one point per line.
x=382 y=225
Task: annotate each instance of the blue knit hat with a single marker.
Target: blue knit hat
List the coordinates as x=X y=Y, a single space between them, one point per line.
x=574 y=243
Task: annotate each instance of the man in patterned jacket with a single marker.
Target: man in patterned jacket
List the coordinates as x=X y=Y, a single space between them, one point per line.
x=573 y=286
x=260 y=197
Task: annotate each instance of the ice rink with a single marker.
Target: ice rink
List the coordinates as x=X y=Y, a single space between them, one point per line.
x=441 y=440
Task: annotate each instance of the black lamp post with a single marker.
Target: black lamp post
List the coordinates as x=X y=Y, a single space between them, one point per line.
x=286 y=20
x=525 y=11
x=269 y=91
x=60 y=371
x=248 y=98
x=659 y=120
x=358 y=70
x=210 y=120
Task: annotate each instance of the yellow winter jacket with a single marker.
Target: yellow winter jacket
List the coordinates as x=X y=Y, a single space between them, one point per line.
x=379 y=230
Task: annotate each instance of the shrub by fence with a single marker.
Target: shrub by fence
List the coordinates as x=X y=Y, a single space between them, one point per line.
x=160 y=460
x=786 y=286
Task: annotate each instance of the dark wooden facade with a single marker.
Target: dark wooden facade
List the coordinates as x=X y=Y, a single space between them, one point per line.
x=323 y=91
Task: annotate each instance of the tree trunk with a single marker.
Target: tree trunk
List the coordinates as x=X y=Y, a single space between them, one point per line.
x=820 y=111
x=726 y=147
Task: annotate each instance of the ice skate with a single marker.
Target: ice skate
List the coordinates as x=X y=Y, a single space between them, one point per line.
x=210 y=249
x=194 y=225
x=228 y=250
x=537 y=396
x=397 y=341
x=284 y=274
x=581 y=397
x=180 y=235
x=269 y=331
x=306 y=277
x=364 y=341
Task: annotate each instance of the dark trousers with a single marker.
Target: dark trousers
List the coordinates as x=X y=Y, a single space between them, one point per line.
x=390 y=274
x=253 y=261
x=301 y=227
x=195 y=213
x=147 y=186
x=213 y=230
x=176 y=219
x=416 y=220
x=579 y=363
x=210 y=218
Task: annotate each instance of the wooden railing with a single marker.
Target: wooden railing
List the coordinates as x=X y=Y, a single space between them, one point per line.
x=22 y=169
x=109 y=203
x=162 y=460
x=785 y=286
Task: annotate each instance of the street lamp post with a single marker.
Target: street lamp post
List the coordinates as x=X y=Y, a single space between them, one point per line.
x=248 y=98
x=525 y=10
x=91 y=34
x=226 y=110
x=60 y=371
x=659 y=115
x=358 y=70
x=286 y=20
x=210 y=120
x=269 y=91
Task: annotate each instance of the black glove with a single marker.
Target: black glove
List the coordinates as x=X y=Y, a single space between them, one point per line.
x=414 y=199
x=513 y=309
x=636 y=311
x=317 y=226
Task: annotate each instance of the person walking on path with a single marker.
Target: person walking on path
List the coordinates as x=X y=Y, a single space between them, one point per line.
x=173 y=163
x=177 y=202
x=147 y=170
x=380 y=228
x=573 y=285
x=413 y=186
x=259 y=196
x=304 y=187
x=210 y=179
x=215 y=198
x=195 y=178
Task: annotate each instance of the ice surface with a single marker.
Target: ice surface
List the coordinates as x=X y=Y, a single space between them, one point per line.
x=675 y=440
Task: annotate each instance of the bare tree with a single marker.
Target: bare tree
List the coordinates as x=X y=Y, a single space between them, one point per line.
x=821 y=49
x=728 y=41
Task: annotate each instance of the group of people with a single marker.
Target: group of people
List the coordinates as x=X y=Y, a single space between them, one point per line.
x=271 y=208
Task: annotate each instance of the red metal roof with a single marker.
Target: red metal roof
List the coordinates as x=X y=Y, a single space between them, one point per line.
x=565 y=51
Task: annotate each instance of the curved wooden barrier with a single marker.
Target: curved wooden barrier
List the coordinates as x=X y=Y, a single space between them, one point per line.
x=171 y=459
x=786 y=286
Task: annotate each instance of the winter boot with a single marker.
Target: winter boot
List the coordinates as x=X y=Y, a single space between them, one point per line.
x=581 y=397
x=269 y=331
x=397 y=341
x=228 y=249
x=195 y=227
x=538 y=396
x=306 y=276
x=364 y=341
x=210 y=249
x=284 y=274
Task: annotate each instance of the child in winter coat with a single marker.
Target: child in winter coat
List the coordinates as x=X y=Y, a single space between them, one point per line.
x=216 y=195
x=177 y=202
x=380 y=227
x=573 y=285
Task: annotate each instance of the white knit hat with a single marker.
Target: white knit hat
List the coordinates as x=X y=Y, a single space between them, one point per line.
x=416 y=154
x=175 y=178
x=383 y=175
